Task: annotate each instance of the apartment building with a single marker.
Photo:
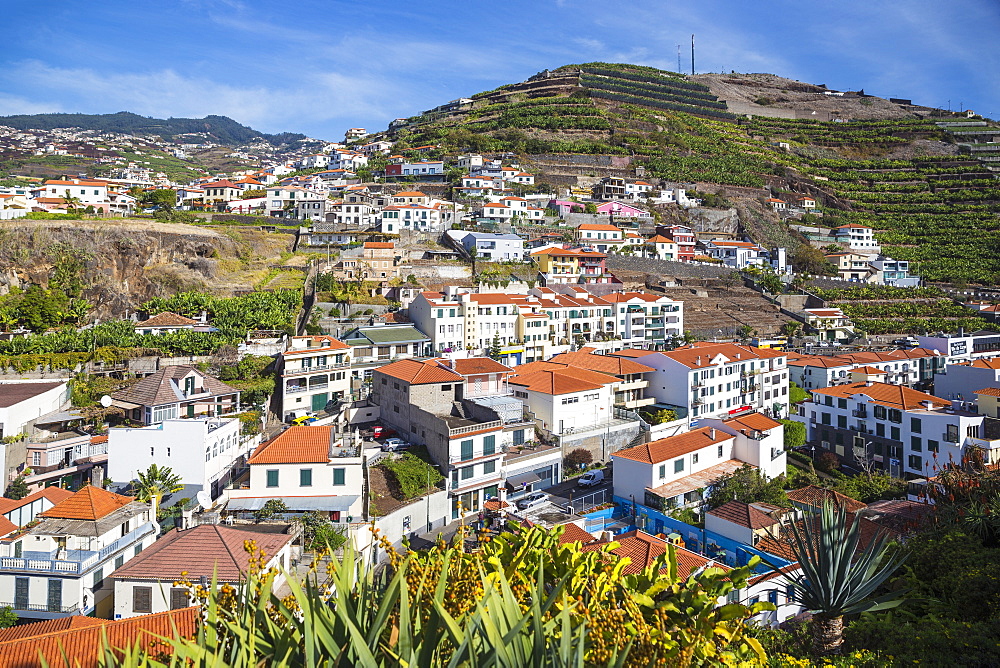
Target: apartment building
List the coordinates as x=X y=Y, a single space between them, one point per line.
x=630 y=393
x=902 y=431
x=176 y=392
x=673 y=472
x=571 y=265
x=315 y=370
x=915 y=367
x=959 y=380
x=857 y=237
x=604 y=238
x=706 y=379
x=644 y=320
x=376 y=262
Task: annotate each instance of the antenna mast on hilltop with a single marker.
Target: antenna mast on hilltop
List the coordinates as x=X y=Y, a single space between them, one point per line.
x=678 y=58
x=692 y=54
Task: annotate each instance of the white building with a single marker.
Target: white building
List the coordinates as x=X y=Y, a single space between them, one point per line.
x=202 y=451
x=960 y=380
x=310 y=468
x=315 y=370
x=963 y=347
x=58 y=567
x=21 y=403
x=858 y=237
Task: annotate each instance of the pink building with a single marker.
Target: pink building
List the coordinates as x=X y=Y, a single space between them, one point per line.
x=622 y=209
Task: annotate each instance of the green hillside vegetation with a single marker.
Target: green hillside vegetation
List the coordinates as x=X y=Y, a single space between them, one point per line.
x=940 y=212
x=223 y=129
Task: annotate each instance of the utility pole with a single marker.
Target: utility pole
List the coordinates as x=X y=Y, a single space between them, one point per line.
x=678 y=58
x=692 y=54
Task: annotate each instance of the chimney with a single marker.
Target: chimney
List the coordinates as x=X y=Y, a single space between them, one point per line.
x=928 y=404
x=711 y=433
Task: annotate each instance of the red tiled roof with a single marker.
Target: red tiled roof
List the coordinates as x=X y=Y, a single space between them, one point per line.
x=752 y=422
x=6 y=526
x=673 y=446
x=166 y=319
x=618 y=366
x=598 y=227
x=893 y=396
x=204 y=550
x=643 y=549
x=90 y=503
x=743 y=514
x=574 y=534
x=814 y=496
x=633 y=352
x=989 y=391
x=379 y=244
x=14 y=393
x=48 y=626
x=566 y=380
x=420 y=373
x=479 y=365
x=701 y=354
x=295 y=445
x=82 y=646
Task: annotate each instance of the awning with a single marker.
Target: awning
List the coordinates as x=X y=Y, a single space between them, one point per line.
x=522 y=479
x=296 y=504
x=127 y=405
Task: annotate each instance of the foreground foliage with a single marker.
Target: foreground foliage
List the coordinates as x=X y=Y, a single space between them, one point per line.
x=523 y=600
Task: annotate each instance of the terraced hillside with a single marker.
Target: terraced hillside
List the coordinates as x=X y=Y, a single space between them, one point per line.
x=924 y=180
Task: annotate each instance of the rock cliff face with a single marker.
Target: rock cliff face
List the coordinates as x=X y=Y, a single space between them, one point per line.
x=125 y=263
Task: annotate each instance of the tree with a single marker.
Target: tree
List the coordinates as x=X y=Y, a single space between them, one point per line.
x=8 y=617
x=473 y=256
x=590 y=207
x=745 y=332
x=827 y=462
x=578 y=458
x=840 y=576
x=791 y=328
x=17 y=490
x=72 y=203
x=810 y=260
x=495 y=349
x=747 y=485
x=156 y=482
x=164 y=199
x=796 y=394
x=271 y=509
x=795 y=433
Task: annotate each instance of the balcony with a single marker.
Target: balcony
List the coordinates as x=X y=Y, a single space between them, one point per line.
x=632 y=404
x=633 y=385
x=472 y=428
x=315 y=368
x=40 y=607
x=859 y=413
x=45 y=562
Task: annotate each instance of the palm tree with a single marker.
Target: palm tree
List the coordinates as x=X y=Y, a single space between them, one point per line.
x=791 y=328
x=153 y=484
x=837 y=578
x=72 y=203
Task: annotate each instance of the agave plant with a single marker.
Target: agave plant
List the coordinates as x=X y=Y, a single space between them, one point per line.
x=837 y=578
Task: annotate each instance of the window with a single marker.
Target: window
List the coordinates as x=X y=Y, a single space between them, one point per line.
x=142 y=599
x=98 y=577
x=719 y=452
x=272 y=477
x=490 y=466
x=467 y=472
x=879 y=429
x=518 y=437
x=694 y=458
x=880 y=412
x=489 y=444
x=678 y=465
x=466 y=454
x=570 y=400
x=915 y=462
x=179 y=598
x=119 y=561
x=915 y=444
x=663 y=471
x=915 y=425
x=338 y=476
x=842 y=422
x=305 y=477
x=894 y=433
x=932 y=445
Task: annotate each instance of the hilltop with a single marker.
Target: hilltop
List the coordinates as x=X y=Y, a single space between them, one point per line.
x=220 y=129
x=922 y=177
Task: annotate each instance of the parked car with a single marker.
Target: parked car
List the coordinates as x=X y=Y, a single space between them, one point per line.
x=533 y=500
x=394 y=445
x=591 y=478
x=378 y=431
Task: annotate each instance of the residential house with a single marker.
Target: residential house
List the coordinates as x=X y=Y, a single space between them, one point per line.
x=829 y=324
x=777 y=204
x=21 y=512
x=310 y=468
x=805 y=202
x=959 y=380
x=853 y=266
x=644 y=320
x=571 y=265
x=285 y=201
x=902 y=431
x=893 y=272
x=208 y=553
x=21 y=404
x=660 y=247
x=743 y=522
x=857 y=237
x=617 y=209
x=683 y=236
x=491 y=247
x=58 y=567
x=674 y=471
x=315 y=371
x=637 y=189
x=203 y=452
x=738 y=254
x=69 y=458
x=419 y=218
x=610 y=188
x=166 y=322
x=421 y=168
x=221 y=191
x=377 y=262
x=176 y=392
x=604 y=238
x=377 y=344
x=717 y=379
x=630 y=392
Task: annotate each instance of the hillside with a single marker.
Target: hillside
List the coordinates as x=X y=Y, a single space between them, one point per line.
x=220 y=129
x=913 y=173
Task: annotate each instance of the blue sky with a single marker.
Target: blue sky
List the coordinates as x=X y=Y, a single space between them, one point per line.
x=320 y=66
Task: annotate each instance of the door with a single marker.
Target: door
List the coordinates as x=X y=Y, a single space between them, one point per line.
x=319 y=401
x=21 y=593
x=55 y=596
x=190 y=410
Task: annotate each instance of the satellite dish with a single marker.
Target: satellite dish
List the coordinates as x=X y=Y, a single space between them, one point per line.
x=106 y=401
x=204 y=499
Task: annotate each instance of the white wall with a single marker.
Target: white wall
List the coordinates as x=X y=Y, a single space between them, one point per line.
x=322 y=481
x=183 y=445
x=728 y=529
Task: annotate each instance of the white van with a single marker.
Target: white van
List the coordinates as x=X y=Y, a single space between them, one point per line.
x=591 y=478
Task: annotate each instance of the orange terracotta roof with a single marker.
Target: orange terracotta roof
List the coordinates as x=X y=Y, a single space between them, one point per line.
x=379 y=244
x=6 y=526
x=674 y=446
x=53 y=494
x=566 y=380
x=986 y=363
x=48 y=626
x=743 y=514
x=410 y=193
x=633 y=352
x=478 y=365
x=893 y=396
x=318 y=342
x=870 y=370
x=643 y=549
x=81 y=645
x=989 y=391
x=531 y=367
x=660 y=239
x=296 y=445
x=701 y=354
x=814 y=496
x=617 y=366
x=752 y=422
x=419 y=373
x=599 y=227
x=572 y=533
x=90 y=503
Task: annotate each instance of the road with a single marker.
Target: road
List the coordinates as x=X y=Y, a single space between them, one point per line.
x=562 y=492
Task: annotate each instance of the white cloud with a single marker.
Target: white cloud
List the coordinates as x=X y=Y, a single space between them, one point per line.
x=12 y=105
